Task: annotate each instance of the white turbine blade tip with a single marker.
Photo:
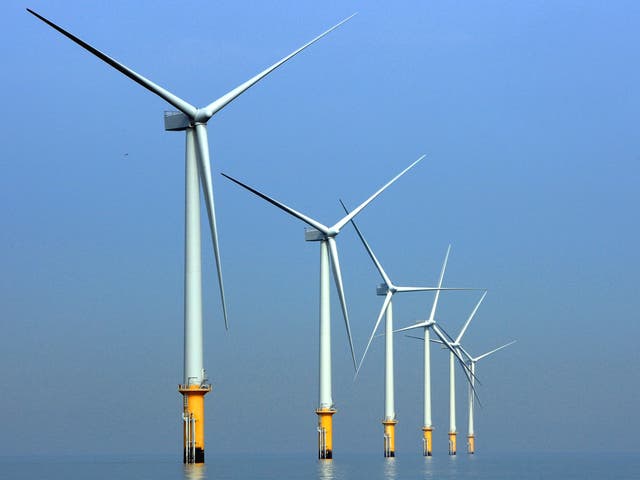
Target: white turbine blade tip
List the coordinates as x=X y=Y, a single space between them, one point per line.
x=360 y=207
x=228 y=97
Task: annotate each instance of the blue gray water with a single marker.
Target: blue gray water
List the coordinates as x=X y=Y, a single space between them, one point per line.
x=356 y=467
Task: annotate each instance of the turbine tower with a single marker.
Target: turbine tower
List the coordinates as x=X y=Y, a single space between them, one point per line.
x=471 y=439
x=388 y=289
x=427 y=325
x=193 y=121
x=328 y=249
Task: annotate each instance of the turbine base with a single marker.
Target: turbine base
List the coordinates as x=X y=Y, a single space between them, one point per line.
x=427 y=445
x=452 y=443
x=389 y=437
x=193 y=422
x=471 y=444
x=325 y=432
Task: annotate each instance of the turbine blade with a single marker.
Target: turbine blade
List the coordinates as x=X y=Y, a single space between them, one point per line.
x=411 y=327
x=445 y=332
x=466 y=354
x=464 y=328
x=359 y=208
x=202 y=148
x=337 y=277
x=466 y=369
x=308 y=220
x=494 y=350
x=448 y=344
x=435 y=300
x=228 y=97
x=414 y=337
x=433 y=289
x=169 y=97
x=383 y=274
x=385 y=304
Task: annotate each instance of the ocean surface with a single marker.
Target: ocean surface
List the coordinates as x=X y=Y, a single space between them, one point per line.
x=282 y=467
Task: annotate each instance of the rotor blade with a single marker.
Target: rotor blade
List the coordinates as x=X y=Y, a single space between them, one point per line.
x=464 y=328
x=202 y=148
x=385 y=304
x=494 y=350
x=223 y=101
x=281 y=206
x=445 y=332
x=417 y=338
x=448 y=344
x=411 y=327
x=177 y=102
x=466 y=369
x=376 y=262
x=433 y=289
x=466 y=354
x=359 y=208
x=337 y=277
x=435 y=300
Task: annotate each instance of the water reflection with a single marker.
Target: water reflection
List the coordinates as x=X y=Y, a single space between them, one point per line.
x=428 y=467
x=390 y=471
x=326 y=470
x=195 y=471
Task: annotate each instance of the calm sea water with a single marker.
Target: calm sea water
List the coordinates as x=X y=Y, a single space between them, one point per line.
x=357 y=467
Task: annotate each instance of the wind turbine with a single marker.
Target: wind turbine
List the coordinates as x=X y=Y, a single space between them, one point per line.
x=427 y=325
x=328 y=248
x=193 y=121
x=452 y=380
x=388 y=289
x=471 y=439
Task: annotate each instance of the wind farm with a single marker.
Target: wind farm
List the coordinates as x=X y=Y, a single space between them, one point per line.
x=195 y=386
x=328 y=249
x=138 y=263
x=388 y=289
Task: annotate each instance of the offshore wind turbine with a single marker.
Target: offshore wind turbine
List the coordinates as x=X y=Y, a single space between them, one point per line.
x=193 y=121
x=427 y=325
x=452 y=380
x=388 y=289
x=328 y=249
x=471 y=439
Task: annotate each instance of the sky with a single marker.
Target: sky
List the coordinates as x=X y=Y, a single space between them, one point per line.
x=528 y=115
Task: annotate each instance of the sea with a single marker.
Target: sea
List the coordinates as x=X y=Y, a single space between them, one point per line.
x=521 y=466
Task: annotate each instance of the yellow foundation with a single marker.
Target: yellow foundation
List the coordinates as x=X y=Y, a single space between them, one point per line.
x=427 y=447
x=389 y=437
x=452 y=443
x=325 y=432
x=193 y=421
x=471 y=444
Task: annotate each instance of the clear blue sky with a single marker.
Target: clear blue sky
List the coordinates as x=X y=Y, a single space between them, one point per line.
x=528 y=112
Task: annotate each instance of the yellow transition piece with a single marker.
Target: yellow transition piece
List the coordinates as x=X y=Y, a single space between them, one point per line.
x=325 y=432
x=471 y=443
x=427 y=448
x=452 y=443
x=193 y=421
x=389 y=437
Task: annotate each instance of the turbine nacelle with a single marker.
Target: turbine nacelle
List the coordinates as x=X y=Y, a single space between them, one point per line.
x=315 y=235
x=383 y=289
x=175 y=121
